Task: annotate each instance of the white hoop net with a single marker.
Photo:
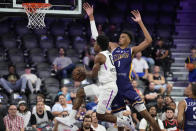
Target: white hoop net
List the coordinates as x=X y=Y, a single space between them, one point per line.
x=36 y=14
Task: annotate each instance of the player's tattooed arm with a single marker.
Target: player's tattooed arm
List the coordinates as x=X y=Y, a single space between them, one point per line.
x=148 y=39
x=180 y=117
x=99 y=60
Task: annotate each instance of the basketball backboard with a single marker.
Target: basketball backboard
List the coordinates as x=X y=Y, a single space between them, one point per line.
x=59 y=7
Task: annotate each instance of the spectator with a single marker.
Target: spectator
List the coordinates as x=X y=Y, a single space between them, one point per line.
x=95 y=125
x=12 y=121
x=150 y=93
x=67 y=95
x=42 y=118
x=92 y=105
x=145 y=126
x=191 y=60
x=173 y=106
x=24 y=112
x=63 y=64
x=100 y=29
x=167 y=100
x=136 y=117
x=162 y=56
x=86 y=125
x=140 y=67
x=139 y=92
x=61 y=109
x=170 y=123
x=147 y=54
x=41 y=98
x=74 y=89
x=160 y=106
x=32 y=80
x=88 y=59
x=112 y=31
x=3 y=112
x=12 y=82
x=159 y=81
x=81 y=113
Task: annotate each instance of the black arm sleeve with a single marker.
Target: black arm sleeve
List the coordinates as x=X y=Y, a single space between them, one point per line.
x=146 y=91
x=33 y=120
x=50 y=116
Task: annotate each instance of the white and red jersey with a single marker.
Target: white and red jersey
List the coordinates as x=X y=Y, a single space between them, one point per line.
x=107 y=72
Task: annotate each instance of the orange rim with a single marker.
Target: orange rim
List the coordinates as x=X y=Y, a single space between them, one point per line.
x=36 y=5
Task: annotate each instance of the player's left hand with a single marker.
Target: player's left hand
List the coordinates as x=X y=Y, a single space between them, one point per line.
x=137 y=17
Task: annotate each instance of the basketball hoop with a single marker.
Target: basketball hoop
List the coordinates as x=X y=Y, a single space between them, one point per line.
x=36 y=14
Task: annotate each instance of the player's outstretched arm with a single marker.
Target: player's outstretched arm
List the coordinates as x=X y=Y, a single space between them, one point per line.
x=89 y=10
x=180 y=117
x=99 y=60
x=148 y=39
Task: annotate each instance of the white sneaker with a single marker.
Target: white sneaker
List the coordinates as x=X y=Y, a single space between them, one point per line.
x=131 y=124
x=66 y=121
x=121 y=122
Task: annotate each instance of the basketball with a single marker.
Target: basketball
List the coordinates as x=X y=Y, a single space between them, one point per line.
x=190 y=66
x=79 y=74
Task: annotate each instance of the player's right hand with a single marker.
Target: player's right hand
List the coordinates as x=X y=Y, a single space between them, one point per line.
x=88 y=9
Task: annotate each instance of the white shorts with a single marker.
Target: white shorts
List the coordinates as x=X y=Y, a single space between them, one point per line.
x=105 y=94
x=91 y=90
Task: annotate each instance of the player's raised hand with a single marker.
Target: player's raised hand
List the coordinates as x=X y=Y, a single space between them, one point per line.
x=88 y=9
x=137 y=17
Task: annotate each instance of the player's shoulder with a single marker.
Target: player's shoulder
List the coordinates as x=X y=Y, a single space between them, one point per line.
x=105 y=52
x=113 y=45
x=100 y=57
x=116 y=49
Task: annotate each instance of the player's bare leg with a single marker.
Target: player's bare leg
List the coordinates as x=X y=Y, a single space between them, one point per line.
x=107 y=117
x=151 y=120
x=80 y=95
